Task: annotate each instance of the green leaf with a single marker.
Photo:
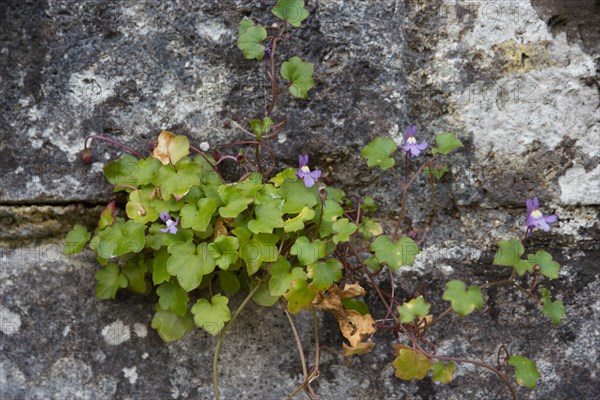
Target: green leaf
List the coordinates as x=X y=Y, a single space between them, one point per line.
x=108 y=280
x=410 y=364
x=306 y=251
x=437 y=172
x=463 y=301
x=122 y=171
x=76 y=239
x=263 y=298
x=369 y=228
x=509 y=253
x=171 y=326
x=373 y=263
x=282 y=278
x=523 y=266
x=331 y=213
x=555 y=310
x=212 y=316
x=297 y=223
x=268 y=217
x=228 y=282
x=250 y=39
x=177 y=180
x=146 y=169
x=397 y=254
x=446 y=143
x=189 y=264
x=377 y=153
x=443 y=372
x=300 y=75
x=178 y=147
x=261 y=127
x=139 y=207
x=292 y=11
x=159 y=267
x=225 y=250
x=323 y=274
x=548 y=267
x=261 y=248
x=368 y=204
x=198 y=218
x=300 y=295
x=343 y=229
x=416 y=307
x=288 y=174
x=526 y=373
x=356 y=305
x=236 y=198
x=136 y=276
x=297 y=196
x=121 y=238
x=172 y=298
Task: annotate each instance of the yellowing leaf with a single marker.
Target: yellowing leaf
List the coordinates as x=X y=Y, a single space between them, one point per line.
x=171 y=148
x=359 y=349
x=410 y=364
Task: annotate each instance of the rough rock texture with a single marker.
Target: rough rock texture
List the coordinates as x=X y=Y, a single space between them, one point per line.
x=516 y=81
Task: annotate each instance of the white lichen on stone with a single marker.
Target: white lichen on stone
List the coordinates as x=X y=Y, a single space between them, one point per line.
x=116 y=333
x=131 y=374
x=580 y=187
x=10 y=322
x=140 y=330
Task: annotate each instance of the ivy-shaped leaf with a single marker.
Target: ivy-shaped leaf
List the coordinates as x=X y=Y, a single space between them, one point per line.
x=236 y=198
x=170 y=326
x=331 y=213
x=173 y=298
x=177 y=180
x=108 y=280
x=260 y=127
x=107 y=216
x=171 y=148
x=212 y=316
x=121 y=238
x=122 y=171
x=189 y=264
x=463 y=301
x=146 y=169
x=356 y=305
x=199 y=218
x=369 y=228
x=548 y=267
x=378 y=152
x=324 y=274
x=397 y=254
x=292 y=11
x=368 y=204
x=300 y=295
x=297 y=196
x=282 y=278
x=526 y=373
x=288 y=174
x=343 y=229
x=416 y=307
x=261 y=248
x=136 y=276
x=446 y=142
x=300 y=75
x=553 y=309
x=437 y=172
x=225 y=250
x=250 y=39
x=306 y=251
x=268 y=217
x=228 y=282
x=297 y=223
x=509 y=253
x=159 y=267
x=76 y=239
x=410 y=364
x=139 y=207
x=443 y=372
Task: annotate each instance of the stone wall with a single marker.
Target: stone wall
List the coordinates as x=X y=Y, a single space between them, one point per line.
x=517 y=81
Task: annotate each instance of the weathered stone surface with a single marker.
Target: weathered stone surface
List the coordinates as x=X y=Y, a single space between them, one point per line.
x=517 y=82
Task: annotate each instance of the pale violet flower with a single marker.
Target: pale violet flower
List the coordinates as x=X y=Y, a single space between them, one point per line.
x=535 y=218
x=411 y=147
x=305 y=173
x=170 y=222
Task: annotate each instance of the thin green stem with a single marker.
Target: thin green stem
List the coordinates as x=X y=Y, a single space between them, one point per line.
x=222 y=337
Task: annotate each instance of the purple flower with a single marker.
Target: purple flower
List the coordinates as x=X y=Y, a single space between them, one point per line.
x=535 y=218
x=411 y=147
x=171 y=224
x=305 y=173
x=268 y=50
